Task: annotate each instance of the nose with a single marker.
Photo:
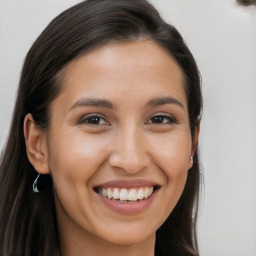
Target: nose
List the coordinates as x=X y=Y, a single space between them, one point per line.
x=129 y=151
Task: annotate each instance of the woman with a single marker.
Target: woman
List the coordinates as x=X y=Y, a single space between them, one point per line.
x=105 y=127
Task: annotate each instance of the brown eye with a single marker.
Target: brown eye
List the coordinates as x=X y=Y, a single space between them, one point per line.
x=162 y=119
x=94 y=120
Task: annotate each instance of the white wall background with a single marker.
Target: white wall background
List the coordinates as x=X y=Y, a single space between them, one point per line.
x=222 y=37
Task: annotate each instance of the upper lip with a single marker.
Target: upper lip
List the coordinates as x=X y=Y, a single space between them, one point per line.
x=127 y=183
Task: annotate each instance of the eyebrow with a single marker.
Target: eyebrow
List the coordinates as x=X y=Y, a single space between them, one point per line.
x=164 y=100
x=93 y=102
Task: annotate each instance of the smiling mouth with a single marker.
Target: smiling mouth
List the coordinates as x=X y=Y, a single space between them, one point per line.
x=126 y=195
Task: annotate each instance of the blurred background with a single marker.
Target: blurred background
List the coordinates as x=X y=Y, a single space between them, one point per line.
x=222 y=37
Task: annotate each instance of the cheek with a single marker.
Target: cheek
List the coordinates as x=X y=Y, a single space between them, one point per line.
x=75 y=158
x=172 y=156
x=172 y=153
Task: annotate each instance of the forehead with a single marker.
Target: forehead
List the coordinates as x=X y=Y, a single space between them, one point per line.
x=128 y=68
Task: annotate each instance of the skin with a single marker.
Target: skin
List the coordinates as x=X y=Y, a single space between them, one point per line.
x=134 y=140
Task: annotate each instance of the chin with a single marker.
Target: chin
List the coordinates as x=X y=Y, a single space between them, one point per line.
x=129 y=237
x=128 y=240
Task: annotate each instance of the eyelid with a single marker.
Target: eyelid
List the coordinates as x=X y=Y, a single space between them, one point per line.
x=86 y=117
x=172 y=119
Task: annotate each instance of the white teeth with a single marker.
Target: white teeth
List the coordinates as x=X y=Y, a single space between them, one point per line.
x=140 y=194
x=151 y=189
x=132 y=196
x=109 y=193
x=146 y=193
x=124 y=194
x=104 y=192
x=115 y=193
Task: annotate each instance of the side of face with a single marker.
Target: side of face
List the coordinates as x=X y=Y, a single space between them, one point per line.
x=120 y=126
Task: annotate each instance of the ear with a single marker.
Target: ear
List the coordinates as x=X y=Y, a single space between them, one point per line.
x=36 y=145
x=195 y=138
x=194 y=143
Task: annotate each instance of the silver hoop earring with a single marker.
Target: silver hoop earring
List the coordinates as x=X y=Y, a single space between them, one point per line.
x=35 y=185
x=42 y=183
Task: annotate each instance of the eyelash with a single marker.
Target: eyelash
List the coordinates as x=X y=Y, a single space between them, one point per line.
x=96 y=119
x=170 y=119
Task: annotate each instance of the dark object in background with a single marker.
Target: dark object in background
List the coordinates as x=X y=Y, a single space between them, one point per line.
x=246 y=2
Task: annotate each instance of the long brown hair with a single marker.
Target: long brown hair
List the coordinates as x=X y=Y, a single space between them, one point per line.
x=28 y=220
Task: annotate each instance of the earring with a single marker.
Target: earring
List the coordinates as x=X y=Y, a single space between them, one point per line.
x=41 y=183
x=35 y=185
x=191 y=160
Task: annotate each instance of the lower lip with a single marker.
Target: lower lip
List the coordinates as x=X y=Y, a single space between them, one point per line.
x=129 y=208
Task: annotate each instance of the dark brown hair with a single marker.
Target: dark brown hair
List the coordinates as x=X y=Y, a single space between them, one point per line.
x=246 y=2
x=28 y=221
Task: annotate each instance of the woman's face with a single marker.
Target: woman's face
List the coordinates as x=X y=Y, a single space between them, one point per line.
x=119 y=143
